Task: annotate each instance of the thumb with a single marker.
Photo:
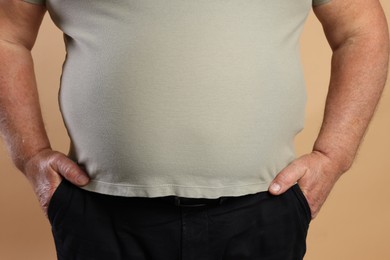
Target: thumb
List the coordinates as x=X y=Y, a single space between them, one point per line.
x=285 y=179
x=70 y=170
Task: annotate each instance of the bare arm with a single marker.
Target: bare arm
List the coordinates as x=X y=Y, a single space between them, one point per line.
x=358 y=35
x=360 y=42
x=21 y=123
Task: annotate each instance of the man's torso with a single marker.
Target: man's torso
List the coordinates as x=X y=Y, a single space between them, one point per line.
x=190 y=98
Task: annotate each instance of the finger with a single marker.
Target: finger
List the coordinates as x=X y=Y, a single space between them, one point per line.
x=286 y=179
x=70 y=170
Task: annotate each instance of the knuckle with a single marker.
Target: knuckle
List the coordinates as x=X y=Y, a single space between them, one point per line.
x=56 y=157
x=65 y=168
x=69 y=174
x=285 y=179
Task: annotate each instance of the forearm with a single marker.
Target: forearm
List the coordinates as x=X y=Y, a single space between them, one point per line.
x=21 y=123
x=358 y=75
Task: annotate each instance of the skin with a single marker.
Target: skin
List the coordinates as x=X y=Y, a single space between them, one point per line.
x=21 y=122
x=358 y=37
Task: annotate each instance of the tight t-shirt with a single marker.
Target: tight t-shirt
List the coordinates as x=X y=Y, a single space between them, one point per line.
x=194 y=98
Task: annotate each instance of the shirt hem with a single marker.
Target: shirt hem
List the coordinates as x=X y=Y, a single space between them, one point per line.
x=126 y=190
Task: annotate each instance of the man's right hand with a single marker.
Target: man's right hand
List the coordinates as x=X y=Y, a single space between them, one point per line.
x=45 y=171
x=21 y=122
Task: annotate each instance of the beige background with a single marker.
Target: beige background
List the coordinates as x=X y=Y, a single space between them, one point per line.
x=354 y=223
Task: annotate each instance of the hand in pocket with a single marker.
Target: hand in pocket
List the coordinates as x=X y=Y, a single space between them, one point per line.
x=45 y=171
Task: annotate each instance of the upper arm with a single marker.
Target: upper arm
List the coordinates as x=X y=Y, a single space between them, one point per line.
x=20 y=21
x=346 y=19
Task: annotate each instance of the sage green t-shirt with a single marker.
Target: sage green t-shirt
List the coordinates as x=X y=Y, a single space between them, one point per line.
x=195 y=98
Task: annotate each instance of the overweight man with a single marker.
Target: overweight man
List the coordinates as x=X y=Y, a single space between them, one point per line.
x=182 y=116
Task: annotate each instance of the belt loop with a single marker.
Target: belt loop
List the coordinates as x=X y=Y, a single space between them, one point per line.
x=177 y=201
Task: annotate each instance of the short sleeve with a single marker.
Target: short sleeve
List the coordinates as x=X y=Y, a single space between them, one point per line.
x=38 y=2
x=320 y=2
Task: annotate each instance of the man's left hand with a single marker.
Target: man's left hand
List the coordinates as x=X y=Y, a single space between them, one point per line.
x=316 y=175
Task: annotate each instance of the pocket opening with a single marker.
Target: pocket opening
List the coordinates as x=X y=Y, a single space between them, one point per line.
x=302 y=198
x=59 y=199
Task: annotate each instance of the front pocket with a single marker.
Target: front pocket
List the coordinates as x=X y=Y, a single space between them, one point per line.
x=58 y=200
x=303 y=201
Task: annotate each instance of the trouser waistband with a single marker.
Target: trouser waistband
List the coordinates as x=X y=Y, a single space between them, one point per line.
x=192 y=202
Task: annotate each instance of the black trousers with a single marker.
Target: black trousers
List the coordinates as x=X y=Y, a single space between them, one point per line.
x=92 y=226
